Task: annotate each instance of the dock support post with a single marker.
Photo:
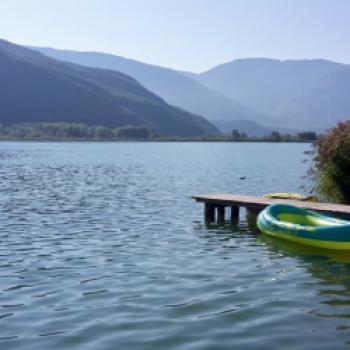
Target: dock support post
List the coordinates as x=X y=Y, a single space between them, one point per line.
x=209 y=212
x=253 y=211
x=234 y=213
x=221 y=214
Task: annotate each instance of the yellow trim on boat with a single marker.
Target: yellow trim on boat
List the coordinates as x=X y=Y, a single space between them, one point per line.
x=310 y=242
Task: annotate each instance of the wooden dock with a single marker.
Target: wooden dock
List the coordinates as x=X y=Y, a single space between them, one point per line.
x=215 y=204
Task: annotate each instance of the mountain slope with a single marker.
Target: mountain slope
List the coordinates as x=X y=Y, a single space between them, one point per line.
x=177 y=88
x=297 y=93
x=36 y=88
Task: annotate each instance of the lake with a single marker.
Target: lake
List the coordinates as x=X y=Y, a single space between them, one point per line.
x=101 y=247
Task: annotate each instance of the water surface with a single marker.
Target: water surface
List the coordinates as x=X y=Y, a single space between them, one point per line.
x=101 y=247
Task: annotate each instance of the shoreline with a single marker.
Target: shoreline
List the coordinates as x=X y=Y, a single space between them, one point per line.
x=155 y=140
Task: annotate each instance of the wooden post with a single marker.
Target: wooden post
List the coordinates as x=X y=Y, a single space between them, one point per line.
x=209 y=212
x=234 y=213
x=251 y=220
x=259 y=203
x=253 y=211
x=221 y=214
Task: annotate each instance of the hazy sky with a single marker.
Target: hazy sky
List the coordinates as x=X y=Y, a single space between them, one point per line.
x=184 y=34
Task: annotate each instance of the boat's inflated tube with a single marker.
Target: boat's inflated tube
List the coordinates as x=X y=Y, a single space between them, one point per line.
x=304 y=226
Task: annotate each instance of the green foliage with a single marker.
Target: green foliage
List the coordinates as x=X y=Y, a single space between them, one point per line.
x=134 y=132
x=236 y=135
x=274 y=136
x=307 y=135
x=72 y=131
x=77 y=131
x=331 y=168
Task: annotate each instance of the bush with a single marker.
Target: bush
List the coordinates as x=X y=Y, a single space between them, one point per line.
x=331 y=169
x=72 y=131
x=307 y=135
x=134 y=132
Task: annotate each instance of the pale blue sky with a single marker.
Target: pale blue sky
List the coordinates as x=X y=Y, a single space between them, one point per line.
x=184 y=34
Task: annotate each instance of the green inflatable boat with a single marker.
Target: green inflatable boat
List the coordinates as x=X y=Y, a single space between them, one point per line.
x=304 y=226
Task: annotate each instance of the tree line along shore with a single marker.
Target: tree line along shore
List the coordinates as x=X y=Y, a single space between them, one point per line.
x=81 y=132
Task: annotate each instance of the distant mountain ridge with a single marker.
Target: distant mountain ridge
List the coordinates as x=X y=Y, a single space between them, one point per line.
x=36 y=88
x=308 y=94
x=177 y=88
x=255 y=94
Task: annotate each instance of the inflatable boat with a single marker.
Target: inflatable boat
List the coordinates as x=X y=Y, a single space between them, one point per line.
x=304 y=226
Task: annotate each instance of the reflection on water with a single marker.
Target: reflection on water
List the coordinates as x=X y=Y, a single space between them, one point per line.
x=101 y=247
x=305 y=252
x=330 y=268
x=327 y=271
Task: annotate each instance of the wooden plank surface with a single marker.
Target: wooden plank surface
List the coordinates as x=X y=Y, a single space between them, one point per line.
x=262 y=202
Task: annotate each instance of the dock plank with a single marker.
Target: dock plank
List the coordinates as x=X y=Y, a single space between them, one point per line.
x=259 y=203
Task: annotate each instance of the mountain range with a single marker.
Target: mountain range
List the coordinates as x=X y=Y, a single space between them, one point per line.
x=306 y=94
x=37 y=88
x=254 y=95
x=175 y=87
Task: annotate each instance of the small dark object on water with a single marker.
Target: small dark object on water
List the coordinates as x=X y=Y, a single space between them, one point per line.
x=243 y=177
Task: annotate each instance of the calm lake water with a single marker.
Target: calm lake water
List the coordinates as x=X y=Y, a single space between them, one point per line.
x=101 y=247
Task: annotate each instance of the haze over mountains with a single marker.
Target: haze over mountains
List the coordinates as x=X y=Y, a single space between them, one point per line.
x=308 y=94
x=175 y=87
x=253 y=95
x=36 y=88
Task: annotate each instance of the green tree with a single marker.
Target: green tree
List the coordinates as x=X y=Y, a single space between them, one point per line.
x=307 y=136
x=331 y=159
x=134 y=132
x=236 y=135
x=276 y=136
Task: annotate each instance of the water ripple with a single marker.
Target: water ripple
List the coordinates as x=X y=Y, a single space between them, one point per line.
x=101 y=247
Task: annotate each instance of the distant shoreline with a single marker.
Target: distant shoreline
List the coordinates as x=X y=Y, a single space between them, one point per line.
x=59 y=132
x=153 y=140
